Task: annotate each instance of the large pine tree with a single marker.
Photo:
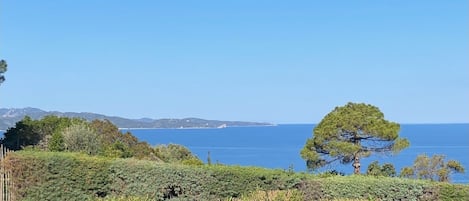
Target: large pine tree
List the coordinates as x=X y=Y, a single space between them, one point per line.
x=349 y=133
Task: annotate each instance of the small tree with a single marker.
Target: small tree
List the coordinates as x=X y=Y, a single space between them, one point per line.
x=373 y=169
x=386 y=170
x=349 y=133
x=23 y=134
x=175 y=153
x=80 y=138
x=434 y=168
x=57 y=142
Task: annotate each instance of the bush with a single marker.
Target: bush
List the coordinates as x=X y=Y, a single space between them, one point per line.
x=375 y=169
x=159 y=181
x=453 y=192
x=276 y=195
x=73 y=176
x=311 y=190
x=176 y=153
x=374 y=188
x=57 y=176
x=81 y=138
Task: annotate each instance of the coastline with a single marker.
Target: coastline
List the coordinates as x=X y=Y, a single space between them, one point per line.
x=182 y=128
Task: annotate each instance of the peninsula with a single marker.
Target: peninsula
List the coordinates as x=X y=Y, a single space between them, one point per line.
x=8 y=118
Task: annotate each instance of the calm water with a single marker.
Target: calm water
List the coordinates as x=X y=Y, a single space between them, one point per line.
x=279 y=146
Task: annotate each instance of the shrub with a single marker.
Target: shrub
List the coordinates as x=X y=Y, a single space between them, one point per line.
x=386 y=170
x=434 y=168
x=453 y=192
x=379 y=188
x=159 y=181
x=175 y=153
x=57 y=176
x=81 y=138
x=273 y=195
x=311 y=190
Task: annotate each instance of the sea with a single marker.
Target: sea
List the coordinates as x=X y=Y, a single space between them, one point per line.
x=279 y=146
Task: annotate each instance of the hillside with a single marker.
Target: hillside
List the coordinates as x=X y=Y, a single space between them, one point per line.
x=8 y=118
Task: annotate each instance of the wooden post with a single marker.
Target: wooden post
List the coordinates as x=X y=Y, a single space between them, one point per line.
x=5 y=177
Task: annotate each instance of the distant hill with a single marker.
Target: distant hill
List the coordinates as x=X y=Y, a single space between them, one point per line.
x=8 y=118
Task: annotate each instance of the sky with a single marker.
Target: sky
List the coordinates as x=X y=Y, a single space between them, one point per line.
x=266 y=60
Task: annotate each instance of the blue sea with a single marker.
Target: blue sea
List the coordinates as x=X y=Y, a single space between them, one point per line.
x=279 y=146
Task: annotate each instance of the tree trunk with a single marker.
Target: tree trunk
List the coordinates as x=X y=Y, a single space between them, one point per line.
x=356 y=164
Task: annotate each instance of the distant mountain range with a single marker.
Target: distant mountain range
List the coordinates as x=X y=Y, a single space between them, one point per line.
x=8 y=118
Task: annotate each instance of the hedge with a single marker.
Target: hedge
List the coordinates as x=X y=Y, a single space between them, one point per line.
x=71 y=176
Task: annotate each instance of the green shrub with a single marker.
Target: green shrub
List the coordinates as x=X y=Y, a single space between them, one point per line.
x=159 y=181
x=176 y=153
x=125 y=198
x=311 y=190
x=81 y=138
x=375 y=188
x=275 y=195
x=233 y=181
x=453 y=192
x=58 y=176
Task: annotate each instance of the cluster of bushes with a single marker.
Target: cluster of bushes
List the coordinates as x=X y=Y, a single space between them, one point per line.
x=53 y=133
x=98 y=137
x=72 y=176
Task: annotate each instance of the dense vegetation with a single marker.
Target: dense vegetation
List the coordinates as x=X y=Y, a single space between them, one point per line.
x=73 y=176
x=98 y=137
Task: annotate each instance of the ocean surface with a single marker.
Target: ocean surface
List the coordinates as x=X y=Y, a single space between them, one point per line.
x=279 y=146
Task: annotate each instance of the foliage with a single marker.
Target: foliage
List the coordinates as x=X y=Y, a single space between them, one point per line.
x=82 y=177
x=453 y=192
x=434 y=168
x=234 y=181
x=386 y=170
x=159 y=181
x=175 y=153
x=311 y=189
x=407 y=172
x=58 y=176
x=121 y=145
x=3 y=69
x=57 y=142
x=275 y=195
x=382 y=188
x=45 y=134
x=80 y=138
x=23 y=134
x=125 y=198
x=349 y=133
x=72 y=176
x=53 y=133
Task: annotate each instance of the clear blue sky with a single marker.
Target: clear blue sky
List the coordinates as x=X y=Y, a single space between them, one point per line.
x=274 y=61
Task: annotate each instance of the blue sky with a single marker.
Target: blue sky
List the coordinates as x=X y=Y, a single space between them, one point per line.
x=274 y=61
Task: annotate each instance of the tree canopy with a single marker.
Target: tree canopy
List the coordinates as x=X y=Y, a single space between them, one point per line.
x=3 y=69
x=433 y=168
x=375 y=169
x=175 y=153
x=349 y=133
